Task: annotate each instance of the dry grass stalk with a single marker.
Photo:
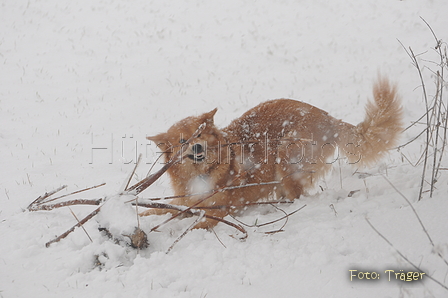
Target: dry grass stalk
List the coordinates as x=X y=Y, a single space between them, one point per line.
x=74 y=215
x=41 y=203
x=200 y=217
x=209 y=192
x=40 y=199
x=286 y=216
x=128 y=181
x=436 y=116
x=80 y=223
x=65 y=204
x=404 y=257
x=417 y=216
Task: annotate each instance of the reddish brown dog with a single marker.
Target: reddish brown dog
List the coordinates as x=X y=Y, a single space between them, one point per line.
x=282 y=140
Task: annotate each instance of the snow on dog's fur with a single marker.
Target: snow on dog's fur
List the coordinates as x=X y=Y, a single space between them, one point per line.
x=279 y=140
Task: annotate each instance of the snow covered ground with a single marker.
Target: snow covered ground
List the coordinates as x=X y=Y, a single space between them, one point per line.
x=81 y=75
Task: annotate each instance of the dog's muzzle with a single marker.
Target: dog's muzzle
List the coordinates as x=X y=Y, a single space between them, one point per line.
x=198 y=153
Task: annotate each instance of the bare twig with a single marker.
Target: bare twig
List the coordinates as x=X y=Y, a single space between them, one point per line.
x=417 y=216
x=244 y=205
x=404 y=257
x=412 y=140
x=437 y=104
x=136 y=212
x=42 y=204
x=132 y=173
x=155 y=162
x=185 y=210
x=80 y=223
x=271 y=222
x=414 y=123
x=238 y=227
x=200 y=217
x=189 y=211
x=284 y=224
x=46 y=195
x=211 y=191
x=253 y=142
x=428 y=127
x=64 y=204
x=217 y=237
x=281 y=218
x=74 y=215
x=152 y=204
x=72 y=193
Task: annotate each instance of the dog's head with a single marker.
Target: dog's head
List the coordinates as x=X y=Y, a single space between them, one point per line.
x=205 y=148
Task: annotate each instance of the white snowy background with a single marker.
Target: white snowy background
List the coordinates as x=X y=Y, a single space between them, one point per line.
x=77 y=75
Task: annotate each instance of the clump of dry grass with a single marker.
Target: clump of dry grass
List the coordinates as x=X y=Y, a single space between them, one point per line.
x=435 y=118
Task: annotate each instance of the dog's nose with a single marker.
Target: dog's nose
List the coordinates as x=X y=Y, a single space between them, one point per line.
x=197 y=148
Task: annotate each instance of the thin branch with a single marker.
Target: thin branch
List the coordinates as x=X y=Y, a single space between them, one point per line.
x=215 y=191
x=281 y=218
x=433 y=33
x=82 y=226
x=65 y=204
x=155 y=162
x=200 y=217
x=210 y=191
x=416 y=215
x=145 y=183
x=72 y=193
x=412 y=208
x=46 y=195
x=244 y=205
x=251 y=142
x=437 y=105
x=416 y=121
x=271 y=222
x=132 y=173
x=217 y=237
x=412 y=140
x=427 y=121
x=189 y=212
x=404 y=257
x=80 y=223
x=238 y=227
x=152 y=204
x=284 y=224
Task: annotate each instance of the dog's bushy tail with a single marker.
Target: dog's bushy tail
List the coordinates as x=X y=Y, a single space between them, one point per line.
x=370 y=140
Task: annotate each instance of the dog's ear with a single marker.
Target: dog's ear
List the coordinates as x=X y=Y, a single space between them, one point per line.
x=158 y=139
x=208 y=117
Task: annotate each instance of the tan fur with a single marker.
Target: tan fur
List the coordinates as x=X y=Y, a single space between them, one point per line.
x=279 y=140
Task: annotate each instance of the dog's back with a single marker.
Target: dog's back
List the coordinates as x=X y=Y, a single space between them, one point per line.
x=296 y=143
x=283 y=140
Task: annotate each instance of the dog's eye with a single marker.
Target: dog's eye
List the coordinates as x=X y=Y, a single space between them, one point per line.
x=182 y=141
x=199 y=135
